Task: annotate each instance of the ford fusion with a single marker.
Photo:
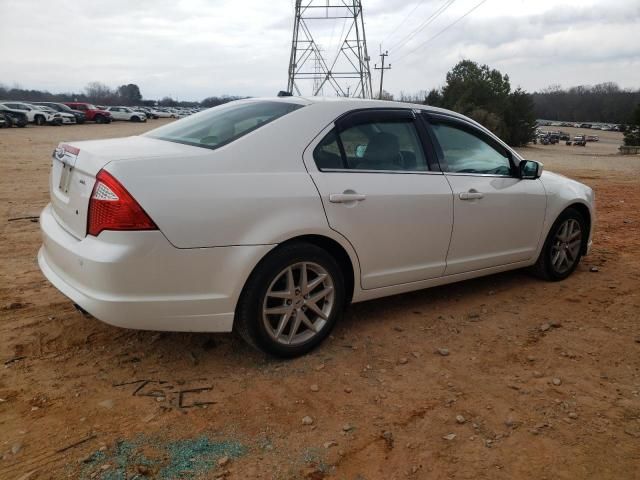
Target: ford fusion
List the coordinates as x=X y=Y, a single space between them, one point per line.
x=269 y=216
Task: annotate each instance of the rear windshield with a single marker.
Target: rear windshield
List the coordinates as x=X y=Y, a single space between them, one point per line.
x=223 y=124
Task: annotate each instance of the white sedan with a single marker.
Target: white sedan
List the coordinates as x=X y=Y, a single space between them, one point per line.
x=268 y=216
x=126 y=113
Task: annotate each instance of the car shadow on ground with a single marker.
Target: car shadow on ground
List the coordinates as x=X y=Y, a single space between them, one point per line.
x=214 y=350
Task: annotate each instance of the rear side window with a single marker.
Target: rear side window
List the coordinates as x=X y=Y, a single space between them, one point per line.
x=374 y=146
x=223 y=124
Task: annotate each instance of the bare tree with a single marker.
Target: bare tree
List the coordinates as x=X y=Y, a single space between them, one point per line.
x=99 y=93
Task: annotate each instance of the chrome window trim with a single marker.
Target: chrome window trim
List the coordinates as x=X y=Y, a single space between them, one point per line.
x=395 y=172
x=468 y=174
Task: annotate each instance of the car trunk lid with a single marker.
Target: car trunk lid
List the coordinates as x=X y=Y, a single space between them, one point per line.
x=76 y=164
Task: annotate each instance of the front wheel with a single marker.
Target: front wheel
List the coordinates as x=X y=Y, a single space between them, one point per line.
x=39 y=120
x=563 y=247
x=291 y=301
x=100 y=119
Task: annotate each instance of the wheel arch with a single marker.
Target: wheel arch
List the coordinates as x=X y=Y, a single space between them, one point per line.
x=339 y=252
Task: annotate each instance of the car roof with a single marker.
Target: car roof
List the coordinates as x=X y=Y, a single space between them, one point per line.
x=355 y=103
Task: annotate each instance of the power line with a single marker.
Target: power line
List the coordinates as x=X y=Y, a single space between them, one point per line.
x=423 y=25
x=403 y=20
x=441 y=31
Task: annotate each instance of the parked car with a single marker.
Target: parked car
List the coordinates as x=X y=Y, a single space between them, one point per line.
x=14 y=117
x=61 y=107
x=34 y=114
x=91 y=112
x=59 y=118
x=5 y=122
x=579 y=141
x=164 y=114
x=592 y=138
x=150 y=112
x=126 y=113
x=268 y=216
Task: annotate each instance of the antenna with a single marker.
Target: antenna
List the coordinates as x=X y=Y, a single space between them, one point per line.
x=307 y=65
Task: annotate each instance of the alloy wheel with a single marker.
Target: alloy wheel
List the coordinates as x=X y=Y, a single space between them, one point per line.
x=567 y=242
x=298 y=303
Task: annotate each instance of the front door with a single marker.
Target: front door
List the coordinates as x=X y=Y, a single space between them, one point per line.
x=498 y=216
x=382 y=192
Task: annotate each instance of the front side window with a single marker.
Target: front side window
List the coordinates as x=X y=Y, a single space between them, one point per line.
x=375 y=146
x=465 y=152
x=223 y=124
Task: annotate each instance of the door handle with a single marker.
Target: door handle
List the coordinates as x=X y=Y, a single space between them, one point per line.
x=471 y=195
x=346 y=197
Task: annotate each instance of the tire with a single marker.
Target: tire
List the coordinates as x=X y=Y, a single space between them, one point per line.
x=39 y=120
x=100 y=119
x=550 y=264
x=267 y=290
x=135 y=119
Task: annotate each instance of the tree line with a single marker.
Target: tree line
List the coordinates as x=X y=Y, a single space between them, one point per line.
x=475 y=90
x=604 y=102
x=101 y=94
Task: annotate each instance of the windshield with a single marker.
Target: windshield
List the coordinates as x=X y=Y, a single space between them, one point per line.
x=223 y=124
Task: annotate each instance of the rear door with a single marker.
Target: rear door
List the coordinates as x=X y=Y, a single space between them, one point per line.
x=382 y=191
x=498 y=216
x=116 y=114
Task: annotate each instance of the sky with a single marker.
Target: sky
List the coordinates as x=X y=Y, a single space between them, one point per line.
x=191 y=49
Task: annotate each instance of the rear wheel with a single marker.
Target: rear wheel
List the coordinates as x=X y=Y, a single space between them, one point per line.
x=292 y=300
x=563 y=247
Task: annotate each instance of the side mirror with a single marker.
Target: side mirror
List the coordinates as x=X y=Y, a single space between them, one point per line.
x=530 y=169
x=360 y=149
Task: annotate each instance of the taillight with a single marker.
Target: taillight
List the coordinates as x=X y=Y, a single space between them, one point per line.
x=111 y=207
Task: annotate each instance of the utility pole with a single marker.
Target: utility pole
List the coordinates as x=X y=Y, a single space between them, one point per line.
x=382 y=69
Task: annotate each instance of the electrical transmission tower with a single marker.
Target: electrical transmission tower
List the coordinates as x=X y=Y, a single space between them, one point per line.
x=318 y=77
x=351 y=60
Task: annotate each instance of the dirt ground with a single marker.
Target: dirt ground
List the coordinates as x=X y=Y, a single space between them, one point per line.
x=541 y=380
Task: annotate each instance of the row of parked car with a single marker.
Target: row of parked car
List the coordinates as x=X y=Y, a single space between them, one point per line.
x=607 y=127
x=20 y=114
x=552 y=137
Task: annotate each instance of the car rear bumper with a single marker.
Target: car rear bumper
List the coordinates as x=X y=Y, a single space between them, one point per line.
x=139 y=280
